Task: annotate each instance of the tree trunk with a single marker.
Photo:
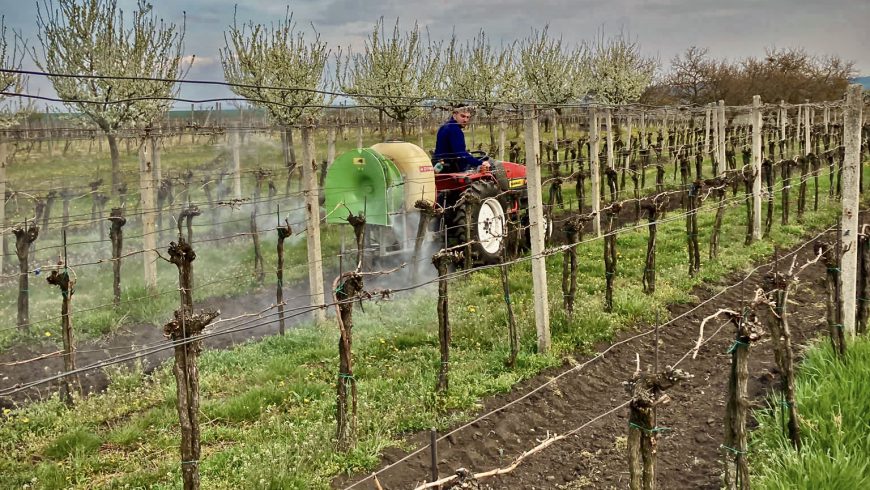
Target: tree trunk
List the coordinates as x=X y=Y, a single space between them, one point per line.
x=116 y=162
x=116 y=234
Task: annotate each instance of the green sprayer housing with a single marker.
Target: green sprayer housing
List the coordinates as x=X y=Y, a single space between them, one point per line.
x=363 y=181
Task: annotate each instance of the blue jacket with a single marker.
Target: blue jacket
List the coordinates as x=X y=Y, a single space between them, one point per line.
x=450 y=147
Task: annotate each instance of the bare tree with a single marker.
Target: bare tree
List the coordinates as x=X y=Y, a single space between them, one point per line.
x=396 y=74
x=116 y=74
x=278 y=69
x=691 y=75
x=619 y=73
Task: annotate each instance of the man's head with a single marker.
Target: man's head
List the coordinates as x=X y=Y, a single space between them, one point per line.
x=462 y=114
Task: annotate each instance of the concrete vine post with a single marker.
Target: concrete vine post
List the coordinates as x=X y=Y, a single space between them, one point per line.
x=236 y=162
x=756 y=165
x=24 y=236
x=116 y=235
x=67 y=287
x=147 y=182
x=595 y=172
x=283 y=232
x=346 y=288
x=183 y=330
x=647 y=394
x=851 y=172
x=537 y=231
x=312 y=222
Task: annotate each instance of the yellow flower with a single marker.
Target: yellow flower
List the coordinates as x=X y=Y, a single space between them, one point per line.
x=48 y=334
x=25 y=420
x=382 y=341
x=472 y=309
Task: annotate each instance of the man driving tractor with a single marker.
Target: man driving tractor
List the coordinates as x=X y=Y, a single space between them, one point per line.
x=451 y=154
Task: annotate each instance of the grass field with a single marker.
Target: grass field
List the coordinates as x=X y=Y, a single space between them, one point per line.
x=833 y=399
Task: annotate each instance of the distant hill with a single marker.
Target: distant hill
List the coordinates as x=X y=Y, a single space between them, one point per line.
x=865 y=81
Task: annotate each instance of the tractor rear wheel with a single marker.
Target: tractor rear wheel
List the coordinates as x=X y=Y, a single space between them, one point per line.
x=481 y=221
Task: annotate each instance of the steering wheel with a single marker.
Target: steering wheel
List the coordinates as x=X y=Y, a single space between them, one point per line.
x=479 y=154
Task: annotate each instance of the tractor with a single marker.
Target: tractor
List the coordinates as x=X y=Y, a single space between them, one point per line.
x=386 y=181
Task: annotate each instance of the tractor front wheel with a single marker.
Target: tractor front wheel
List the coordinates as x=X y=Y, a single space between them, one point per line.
x=480 y=220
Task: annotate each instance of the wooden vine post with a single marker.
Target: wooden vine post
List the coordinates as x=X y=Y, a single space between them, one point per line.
x=184 y=330
x=283 y=232
x=427 y=212
x=610 y=254
x=779 y=285
x=346 y=288
x=442 y=261
x=863 y=306
x=737 y=470
x=24 y=236
x=647 y=394
x=717 y=187
x=513 y=331
x=652 y=208
x=767 y=175
x=786 y=188
x=692 y=227
x=67 y=287
x=749 y=178
x=573 y=228
x=803 y=164
x=259 y=268
x=834 y=310
x=116 y=235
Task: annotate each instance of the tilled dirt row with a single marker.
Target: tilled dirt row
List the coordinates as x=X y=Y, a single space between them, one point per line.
x=689 y=452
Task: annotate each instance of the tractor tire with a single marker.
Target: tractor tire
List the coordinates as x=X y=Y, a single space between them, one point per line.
x=527 y=230
x=483 y=222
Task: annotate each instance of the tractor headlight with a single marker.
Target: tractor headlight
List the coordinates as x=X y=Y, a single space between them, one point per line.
x=517 y=183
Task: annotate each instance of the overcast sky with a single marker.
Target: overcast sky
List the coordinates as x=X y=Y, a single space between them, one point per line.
x=730 y=29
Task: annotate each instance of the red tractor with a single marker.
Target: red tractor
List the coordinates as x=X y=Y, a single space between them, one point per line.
x=384 y=183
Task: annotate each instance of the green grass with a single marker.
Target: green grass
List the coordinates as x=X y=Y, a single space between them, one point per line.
x=833 y=400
